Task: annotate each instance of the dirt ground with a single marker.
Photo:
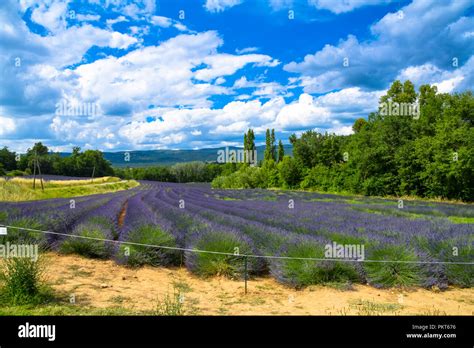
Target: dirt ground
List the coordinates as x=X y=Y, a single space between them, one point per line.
x=103 y=284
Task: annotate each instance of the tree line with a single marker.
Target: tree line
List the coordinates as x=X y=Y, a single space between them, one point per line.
x=78 y=164
x=92 y=163
x=417 y=143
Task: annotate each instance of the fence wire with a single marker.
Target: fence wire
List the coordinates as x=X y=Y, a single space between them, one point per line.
x=233 y=254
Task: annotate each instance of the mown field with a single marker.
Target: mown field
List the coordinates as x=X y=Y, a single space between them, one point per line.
x=408 y=242
x=26 y=189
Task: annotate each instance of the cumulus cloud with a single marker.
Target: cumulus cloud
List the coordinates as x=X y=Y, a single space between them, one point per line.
x=351 y=99
x=446 y=81
x=217 y=125
x=303 y=113
x=154 y=74
x=51 y=15
x=375 y=63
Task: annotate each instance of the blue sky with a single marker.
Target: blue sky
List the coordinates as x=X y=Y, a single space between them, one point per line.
x=125 y=75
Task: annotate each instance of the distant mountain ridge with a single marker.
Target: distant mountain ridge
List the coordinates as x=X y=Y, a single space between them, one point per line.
x=148 y=158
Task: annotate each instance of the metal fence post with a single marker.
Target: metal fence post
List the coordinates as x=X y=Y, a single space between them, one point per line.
x=245 y=272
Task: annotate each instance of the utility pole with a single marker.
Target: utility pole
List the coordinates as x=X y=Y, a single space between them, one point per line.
x=93 y=172
x=41 y=177
x=36 y=164
x=34 y=172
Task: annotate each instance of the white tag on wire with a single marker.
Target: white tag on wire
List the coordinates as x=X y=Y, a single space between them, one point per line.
x=3 y=231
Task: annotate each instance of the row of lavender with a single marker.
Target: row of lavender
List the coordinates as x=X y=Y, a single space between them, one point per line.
x=263 y=223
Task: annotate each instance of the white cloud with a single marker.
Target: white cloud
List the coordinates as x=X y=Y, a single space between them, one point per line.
x=246 y=50
x=335 y=6
x=139 y=31
x=351 y=100
x=227 y=64
x=270 y=89
x=84 y=37
x=242 y=82
x=234 y=128
x=51 y=15
x=448 y=86
x=342 y=6
x=119 y=19
x=134 y=9
x=220 y=5
x=87 y=17
x=180 y=26
x=337 y=129
x=166 y=22
x=303 y=113
x=262 y=89
x=161 y=21
x=446 y=81
x=7 y=125
x=160 y=75
x=220 y=81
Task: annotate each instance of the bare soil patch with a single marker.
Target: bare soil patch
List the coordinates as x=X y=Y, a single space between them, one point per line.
x=103 y=284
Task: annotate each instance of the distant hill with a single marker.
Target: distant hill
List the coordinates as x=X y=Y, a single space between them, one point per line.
x=169 y=157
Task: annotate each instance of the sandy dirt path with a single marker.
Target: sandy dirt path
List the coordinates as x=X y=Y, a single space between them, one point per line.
x=103 y=284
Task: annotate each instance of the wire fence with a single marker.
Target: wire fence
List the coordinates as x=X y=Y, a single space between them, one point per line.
x=234 y=254
x=244 y=257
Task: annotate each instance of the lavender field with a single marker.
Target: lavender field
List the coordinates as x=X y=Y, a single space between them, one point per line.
x=408 y=242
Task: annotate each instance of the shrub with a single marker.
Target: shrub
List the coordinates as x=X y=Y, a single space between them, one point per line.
x=459 y=274
x=88 y=247
x=319 y=177
x=172 y=305
x=144 y=255
x=300 y=273
x=16 y=172
x=22 y=280
x=207 y=264
x=246 y=177
x=388 y=274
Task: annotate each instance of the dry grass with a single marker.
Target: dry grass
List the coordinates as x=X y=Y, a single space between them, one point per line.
x=21 y=189
x=62 y=183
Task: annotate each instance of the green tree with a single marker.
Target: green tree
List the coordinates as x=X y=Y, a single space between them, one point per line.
x=267 y=155
x=281 y=151
x=8 y=159
x=290 y=172
x=358 y=125
x=249 y=143
x=273 y=147
x=314 y=148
